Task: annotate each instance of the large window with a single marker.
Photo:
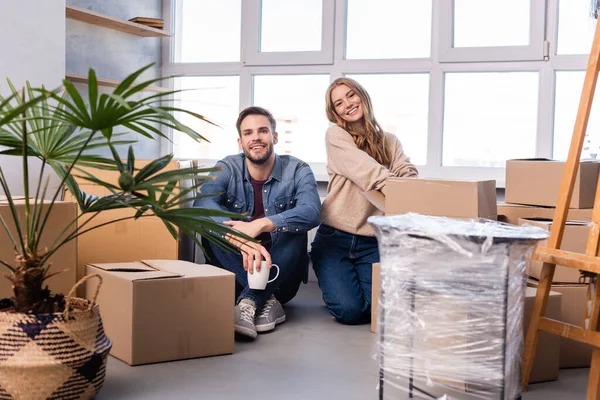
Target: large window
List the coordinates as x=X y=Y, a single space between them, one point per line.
x=199 y=22
x=215 y=97
x=388 y=29
x=489 y=117
x=568 y=91
x=575 y=27
x=465 y=85
x=296 y=102
x=401 y=102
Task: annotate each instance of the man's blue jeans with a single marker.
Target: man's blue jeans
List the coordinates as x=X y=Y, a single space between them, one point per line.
x=343 y=263
x=289 y=252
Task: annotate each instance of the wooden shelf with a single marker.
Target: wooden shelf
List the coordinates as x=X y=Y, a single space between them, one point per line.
x=110 y=83
x=94 y=18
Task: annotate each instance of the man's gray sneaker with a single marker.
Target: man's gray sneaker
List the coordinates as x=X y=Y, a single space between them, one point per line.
x=271 y=314
x=244 y=318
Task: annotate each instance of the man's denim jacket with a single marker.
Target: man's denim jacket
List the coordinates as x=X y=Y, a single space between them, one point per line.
x=290 y=195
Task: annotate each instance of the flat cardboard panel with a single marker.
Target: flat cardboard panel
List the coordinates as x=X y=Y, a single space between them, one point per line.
x=439 y=197
x=170 y=318
x=375 y=289
x=572 y=354
x=574 y=239
x=182 y=318
x=510 y=213
x=547 y=356
x=63 y=260
x=115 y=300
x=537 y=182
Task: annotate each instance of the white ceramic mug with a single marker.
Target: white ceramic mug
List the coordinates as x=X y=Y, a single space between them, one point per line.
x=259 y=279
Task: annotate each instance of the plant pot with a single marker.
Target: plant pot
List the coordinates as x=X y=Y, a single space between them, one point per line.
x=54 y=356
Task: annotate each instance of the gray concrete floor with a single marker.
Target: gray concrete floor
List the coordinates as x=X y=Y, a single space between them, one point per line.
x=308 y=357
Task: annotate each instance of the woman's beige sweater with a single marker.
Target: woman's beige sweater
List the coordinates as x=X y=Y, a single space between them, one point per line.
x=352 y=171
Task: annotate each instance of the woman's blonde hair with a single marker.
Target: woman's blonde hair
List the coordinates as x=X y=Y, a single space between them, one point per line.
x=370 y=139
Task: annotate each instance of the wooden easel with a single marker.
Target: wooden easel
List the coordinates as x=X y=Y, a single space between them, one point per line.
x=550 y=256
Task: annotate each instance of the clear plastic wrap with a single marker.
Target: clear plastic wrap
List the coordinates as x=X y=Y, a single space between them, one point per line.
x=451 y=306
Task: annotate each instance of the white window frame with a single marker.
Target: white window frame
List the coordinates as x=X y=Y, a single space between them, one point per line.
x=534 y=51
x=251 y=54
x=436 y=66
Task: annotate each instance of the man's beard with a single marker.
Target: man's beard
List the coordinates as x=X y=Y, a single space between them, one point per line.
x=261 y=160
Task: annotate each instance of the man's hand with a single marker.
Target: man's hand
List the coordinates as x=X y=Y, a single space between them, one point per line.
x=252 y=253
x=254 y=228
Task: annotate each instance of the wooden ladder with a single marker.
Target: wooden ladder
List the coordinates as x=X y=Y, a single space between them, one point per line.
x=551 y=255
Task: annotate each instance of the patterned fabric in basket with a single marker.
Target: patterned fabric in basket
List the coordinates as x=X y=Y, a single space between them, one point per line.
x=53 y=356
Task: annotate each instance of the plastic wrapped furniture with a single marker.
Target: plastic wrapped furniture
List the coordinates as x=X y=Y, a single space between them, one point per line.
x=451 y=306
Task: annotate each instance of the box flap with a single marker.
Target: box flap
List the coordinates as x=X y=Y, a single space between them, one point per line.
x=186 y=269
x=440 y=181
x=548 y=222
x=4 y=199
x=376 y=198
x=135 y=271
x=525 y=206
x=530 y=159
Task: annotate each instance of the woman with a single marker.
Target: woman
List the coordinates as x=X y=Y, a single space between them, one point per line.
x=360 y=157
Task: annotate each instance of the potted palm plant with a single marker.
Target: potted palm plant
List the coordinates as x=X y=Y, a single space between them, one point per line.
x=52 y=345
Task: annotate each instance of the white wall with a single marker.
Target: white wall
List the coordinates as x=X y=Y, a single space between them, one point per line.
x=32 y=47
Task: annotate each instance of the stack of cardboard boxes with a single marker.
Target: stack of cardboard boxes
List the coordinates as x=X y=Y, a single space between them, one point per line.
x=532 y=190
x=158 y=310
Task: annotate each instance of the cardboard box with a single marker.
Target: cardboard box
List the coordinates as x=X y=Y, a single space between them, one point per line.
x=375 y=289
x=547 y=356
x=546 y=364
x=574 y=296
x=63 y=260
x=537 y=182
x=123 y=241
x=437 y=197
x=164 y=310
x=574 y=239
x=510 y=213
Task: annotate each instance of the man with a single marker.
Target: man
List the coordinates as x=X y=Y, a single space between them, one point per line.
x=279 y=194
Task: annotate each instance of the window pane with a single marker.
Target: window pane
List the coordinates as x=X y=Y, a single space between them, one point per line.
x=404 y=25
x=575 y=27
x=290 y=25
x=401 y=104
x=202 y=21
x=566 y=102
x=297 y=103
x=489 y=117
x=483 y=23
x=216 y=98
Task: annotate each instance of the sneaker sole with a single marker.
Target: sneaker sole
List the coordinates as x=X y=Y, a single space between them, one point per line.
x=246 y=332
x=270 y=326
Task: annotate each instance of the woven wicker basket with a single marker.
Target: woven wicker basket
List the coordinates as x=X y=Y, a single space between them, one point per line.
x=54 y=356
